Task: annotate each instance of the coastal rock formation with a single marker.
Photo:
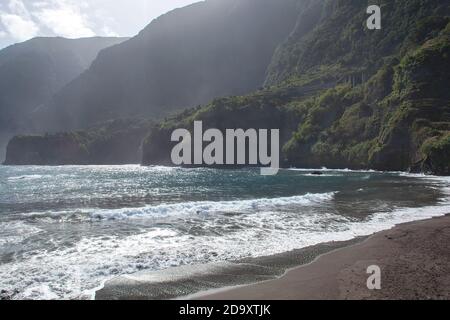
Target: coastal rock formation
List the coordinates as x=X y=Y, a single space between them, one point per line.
x=114 y=142
x=388 y=104
x=342 y=96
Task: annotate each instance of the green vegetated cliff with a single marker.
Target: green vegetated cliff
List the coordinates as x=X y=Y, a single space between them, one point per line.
x=112 y=142
x=344 y=96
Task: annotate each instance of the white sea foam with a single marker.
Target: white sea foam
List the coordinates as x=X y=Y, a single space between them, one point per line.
x=14 y=232
x=263 y=227
x=29 y=177
x=210 y=207
x=73 y=272
x=324 y=169
x=194 y=208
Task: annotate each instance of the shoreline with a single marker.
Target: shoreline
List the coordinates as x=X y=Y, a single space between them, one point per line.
x=332 y=270
x=289 y=220
x=180 y=282
x=414 y=259
x=213 y=280
x=225 y=280
x=408 y=255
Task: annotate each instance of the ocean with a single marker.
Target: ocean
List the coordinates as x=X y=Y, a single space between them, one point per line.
x=64 y=231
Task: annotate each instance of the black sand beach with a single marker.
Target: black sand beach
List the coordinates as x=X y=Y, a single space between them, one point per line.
x=181 y=282
x=414 y=259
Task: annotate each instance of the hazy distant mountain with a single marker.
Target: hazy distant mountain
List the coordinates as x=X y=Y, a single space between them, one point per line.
x=182 y=59
x=33 y=71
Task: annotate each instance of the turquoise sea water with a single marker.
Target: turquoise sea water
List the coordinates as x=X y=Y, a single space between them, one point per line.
x=65 y=230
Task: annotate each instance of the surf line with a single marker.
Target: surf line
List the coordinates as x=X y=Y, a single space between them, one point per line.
x=234 y=152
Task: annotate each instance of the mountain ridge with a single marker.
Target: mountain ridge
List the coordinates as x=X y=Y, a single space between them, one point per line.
x=344 y=96
x=387 y=110
x=32 y=71
x=182 y=59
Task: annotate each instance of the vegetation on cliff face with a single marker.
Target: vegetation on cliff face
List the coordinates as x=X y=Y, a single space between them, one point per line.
x=388 y=107
x=387 y=122
x=263 y=109
x=339 y=45
x=342 y=96
x=113 y=142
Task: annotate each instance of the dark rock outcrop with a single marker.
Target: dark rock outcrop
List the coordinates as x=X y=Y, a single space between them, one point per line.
x=388 y=108
x=342 y=96
x=114 y=142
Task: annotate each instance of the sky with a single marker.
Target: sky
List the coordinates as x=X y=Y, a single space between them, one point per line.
x=21 y=20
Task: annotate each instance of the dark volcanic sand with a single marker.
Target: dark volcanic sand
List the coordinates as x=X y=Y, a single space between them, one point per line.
x=187 y=280
x=414 y=259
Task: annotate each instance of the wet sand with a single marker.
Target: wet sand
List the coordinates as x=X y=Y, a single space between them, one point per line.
x=187 y=280
x=414 y=259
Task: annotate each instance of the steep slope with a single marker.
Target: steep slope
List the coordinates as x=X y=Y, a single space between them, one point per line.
x=32 y=71
x=331 y=40
x=392 y=106
x=184 y=58
x=388 y=105
x=344 y=96
x=113 y=142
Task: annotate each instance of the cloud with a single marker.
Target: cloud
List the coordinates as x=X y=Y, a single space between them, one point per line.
x=64 y=18
x=106 y=31
x=24 y=19
x=19 y=27
x=17 y=22
x=18 y=7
